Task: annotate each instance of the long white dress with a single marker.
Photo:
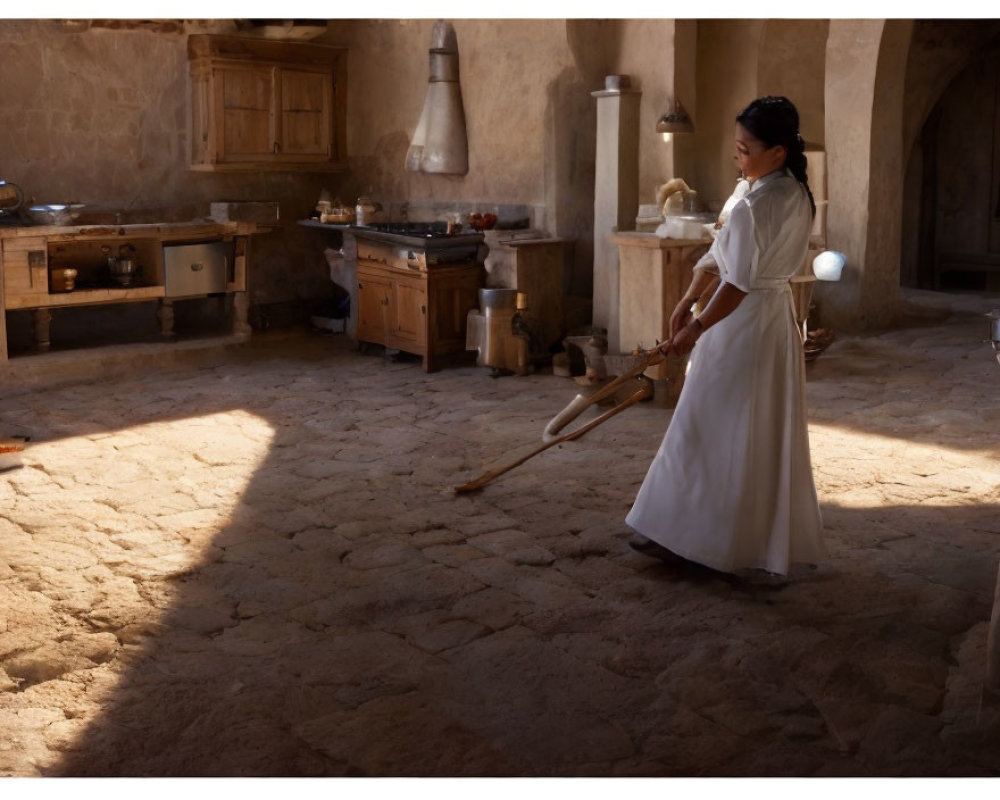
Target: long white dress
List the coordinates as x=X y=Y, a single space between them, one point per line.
x=731 y=486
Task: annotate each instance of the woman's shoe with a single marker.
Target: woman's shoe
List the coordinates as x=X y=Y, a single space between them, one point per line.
x=639 y=542
x=646 y=546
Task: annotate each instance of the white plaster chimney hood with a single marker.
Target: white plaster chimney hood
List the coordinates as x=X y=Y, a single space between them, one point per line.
x=440 y=143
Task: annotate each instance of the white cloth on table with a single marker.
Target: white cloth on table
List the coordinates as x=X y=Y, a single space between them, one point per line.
x=731 y=486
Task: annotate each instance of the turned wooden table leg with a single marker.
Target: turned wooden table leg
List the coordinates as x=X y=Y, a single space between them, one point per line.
x=43 y=326
x=241 y=308
x=165 y=313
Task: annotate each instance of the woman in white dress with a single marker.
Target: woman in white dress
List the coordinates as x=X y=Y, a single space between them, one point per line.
x=731 y=486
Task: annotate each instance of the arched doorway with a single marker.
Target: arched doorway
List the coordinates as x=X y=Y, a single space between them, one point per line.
x=959 y=185
x=951 y=197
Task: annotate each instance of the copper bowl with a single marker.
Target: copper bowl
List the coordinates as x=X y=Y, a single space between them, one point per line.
x=62 y=279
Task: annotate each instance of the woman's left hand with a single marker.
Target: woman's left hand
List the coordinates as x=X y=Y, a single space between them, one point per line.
x=686 y=337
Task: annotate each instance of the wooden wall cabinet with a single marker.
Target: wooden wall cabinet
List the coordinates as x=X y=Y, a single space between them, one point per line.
x=259 y=104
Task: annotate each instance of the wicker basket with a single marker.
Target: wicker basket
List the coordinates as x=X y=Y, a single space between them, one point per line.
x=620 y=364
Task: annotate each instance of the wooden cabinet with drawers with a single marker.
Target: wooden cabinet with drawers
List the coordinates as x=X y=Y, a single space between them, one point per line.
x=418 y=311
x=260 y=104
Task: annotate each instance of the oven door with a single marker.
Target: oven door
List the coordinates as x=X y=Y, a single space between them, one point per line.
x=196 y=269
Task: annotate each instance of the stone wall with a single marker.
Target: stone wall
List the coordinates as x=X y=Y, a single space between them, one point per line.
x=646 y=53
x=728 y=52
x=739 y=60
x=530 y=118
x=792 y=63
x=97 y=113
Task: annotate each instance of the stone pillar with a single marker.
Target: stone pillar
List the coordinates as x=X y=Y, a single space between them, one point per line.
x=865 y=66
x=616 y=194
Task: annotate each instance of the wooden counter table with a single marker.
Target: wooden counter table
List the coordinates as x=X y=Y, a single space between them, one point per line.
x=654 y=272
x=27 y=253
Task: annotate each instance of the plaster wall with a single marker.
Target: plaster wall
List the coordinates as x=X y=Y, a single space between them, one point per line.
x=505 y=69
x=880 y=297
x=792 y=63
x=530 y=119
x=851 y=62
x=683 y=148
x=727 y=67
x=865 y=68
x=97 y=113
x=647 y=54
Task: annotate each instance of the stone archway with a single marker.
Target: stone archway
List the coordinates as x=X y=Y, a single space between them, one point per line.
x=941 y=53
x=865 y=76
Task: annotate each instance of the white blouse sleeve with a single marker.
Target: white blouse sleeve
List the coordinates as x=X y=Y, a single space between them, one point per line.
x=708 y=262
x=736 y=249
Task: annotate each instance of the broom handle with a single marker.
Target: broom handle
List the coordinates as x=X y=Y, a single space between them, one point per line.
x=579 y=403
x=481 y=481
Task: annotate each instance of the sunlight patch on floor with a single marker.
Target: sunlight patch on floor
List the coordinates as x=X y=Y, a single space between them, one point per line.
x=93 y=566
x=862 y=469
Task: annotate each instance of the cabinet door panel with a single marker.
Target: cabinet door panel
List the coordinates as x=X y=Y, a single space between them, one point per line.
x=266 y=105
x=25 y=268
x=373 y=299
x=408 y=323
x=306 y=99
x=247 y=96
x=452 y=298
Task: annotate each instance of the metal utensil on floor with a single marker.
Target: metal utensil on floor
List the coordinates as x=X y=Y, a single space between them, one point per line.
x=11 y=450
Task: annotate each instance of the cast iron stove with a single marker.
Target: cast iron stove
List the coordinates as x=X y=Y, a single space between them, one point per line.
x=425 y=229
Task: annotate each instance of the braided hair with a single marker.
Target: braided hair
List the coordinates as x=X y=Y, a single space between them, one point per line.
x=775 y=121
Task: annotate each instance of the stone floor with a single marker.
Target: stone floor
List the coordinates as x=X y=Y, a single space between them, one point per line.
x=260 y=568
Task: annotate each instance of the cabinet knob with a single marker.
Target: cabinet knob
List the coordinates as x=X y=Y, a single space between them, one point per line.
x=423 y=310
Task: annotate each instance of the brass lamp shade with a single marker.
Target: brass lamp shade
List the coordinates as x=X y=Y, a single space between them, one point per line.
x=675 y=120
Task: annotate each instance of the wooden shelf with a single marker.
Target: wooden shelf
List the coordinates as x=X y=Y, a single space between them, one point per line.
x=86 y=297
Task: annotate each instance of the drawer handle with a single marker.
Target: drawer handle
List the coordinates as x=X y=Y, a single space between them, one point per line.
x=423 y=310
x=197 y=267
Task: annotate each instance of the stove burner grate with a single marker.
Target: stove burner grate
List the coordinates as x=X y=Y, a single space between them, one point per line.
x=425 y=229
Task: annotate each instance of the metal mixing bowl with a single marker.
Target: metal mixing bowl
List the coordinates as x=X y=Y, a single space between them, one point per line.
x=55 y=213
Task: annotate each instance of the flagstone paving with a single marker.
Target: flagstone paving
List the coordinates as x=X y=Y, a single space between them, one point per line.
x=259 y=567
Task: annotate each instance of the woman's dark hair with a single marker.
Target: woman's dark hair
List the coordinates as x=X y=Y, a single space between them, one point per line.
x=775 y=121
